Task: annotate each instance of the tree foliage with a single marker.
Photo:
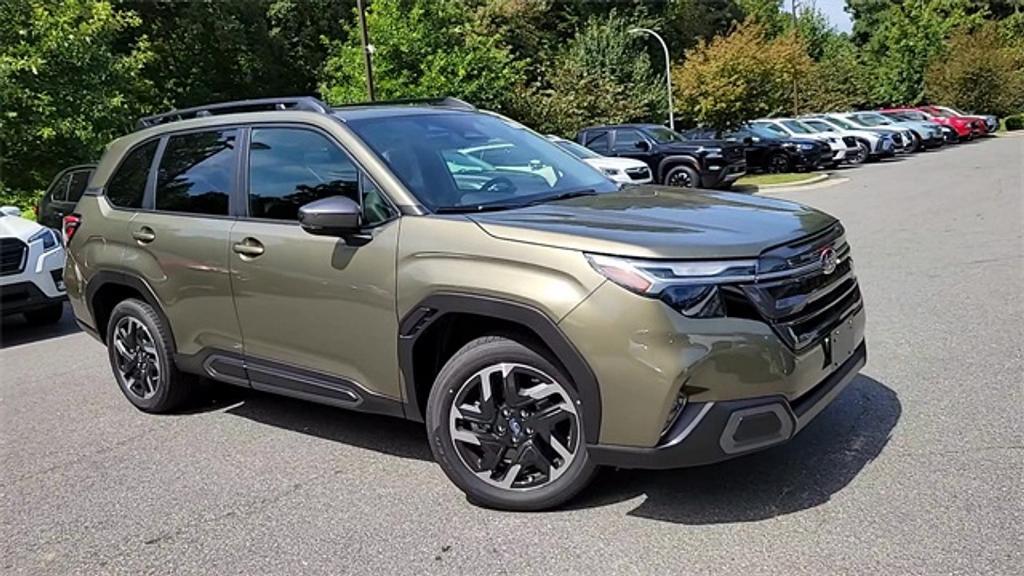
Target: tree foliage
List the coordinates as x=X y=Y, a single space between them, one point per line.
x=981 y=69
x=67 y=84
x=742 y=76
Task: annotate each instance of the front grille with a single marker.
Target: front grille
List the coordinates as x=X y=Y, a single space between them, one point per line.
x=638 y=173
x=850 y=141
x=897 y=138
x=12 y=256
x=796 y=298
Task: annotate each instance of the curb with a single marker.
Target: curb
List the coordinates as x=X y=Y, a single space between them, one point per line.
x=798 y=184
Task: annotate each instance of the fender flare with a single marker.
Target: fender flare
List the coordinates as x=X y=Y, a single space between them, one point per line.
x=437 y=306
x=107 y=277
x=670 y=162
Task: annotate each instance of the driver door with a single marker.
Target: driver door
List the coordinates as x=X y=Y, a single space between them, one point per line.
x=317 y=313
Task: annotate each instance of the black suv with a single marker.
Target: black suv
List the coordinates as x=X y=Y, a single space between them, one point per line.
x=674 y=160
x=769 y=152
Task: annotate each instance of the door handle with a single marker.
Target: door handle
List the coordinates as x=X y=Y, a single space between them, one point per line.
x=249 y=247
x=144 y=235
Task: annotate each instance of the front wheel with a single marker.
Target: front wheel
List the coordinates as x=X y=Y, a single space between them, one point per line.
x=862 y=154
x=505 y=425
x=682 y=177
x=778 y=164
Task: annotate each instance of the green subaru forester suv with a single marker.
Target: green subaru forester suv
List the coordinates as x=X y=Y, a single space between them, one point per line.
x=435 y=262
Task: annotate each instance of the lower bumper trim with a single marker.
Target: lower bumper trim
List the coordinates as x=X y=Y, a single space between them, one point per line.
x=714 y=431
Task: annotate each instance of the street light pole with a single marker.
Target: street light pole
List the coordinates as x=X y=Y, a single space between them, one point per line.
x=796 y=84
x=367 y=51
x=668 y=71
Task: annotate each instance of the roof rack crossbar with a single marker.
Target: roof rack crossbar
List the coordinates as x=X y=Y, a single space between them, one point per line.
x=297 y=103
x=445 y=101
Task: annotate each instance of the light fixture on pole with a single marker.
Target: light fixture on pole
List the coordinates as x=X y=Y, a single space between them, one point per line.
x=668 y=70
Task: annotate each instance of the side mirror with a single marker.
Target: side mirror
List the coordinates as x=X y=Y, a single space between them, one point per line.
x=643 y=145
x=333 y=216
x=750 y=140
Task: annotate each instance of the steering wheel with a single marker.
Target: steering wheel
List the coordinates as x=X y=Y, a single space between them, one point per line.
x=498 y=185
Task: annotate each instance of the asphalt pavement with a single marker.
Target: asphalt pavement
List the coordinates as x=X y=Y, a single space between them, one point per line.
x=918 y=468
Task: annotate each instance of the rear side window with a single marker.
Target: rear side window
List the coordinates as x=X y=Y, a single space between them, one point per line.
x=59 y=190
x=79 y=181
x=128 y=185
x=197 y=173
x=596 y=141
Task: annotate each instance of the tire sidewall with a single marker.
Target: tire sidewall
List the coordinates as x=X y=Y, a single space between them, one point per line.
x=143 y=313
x=694 y=177
x=472 y=358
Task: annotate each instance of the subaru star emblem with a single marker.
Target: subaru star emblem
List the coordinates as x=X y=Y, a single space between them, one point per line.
x=828 y=260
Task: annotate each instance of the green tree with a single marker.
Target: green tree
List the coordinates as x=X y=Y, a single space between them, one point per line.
x=981 y=70
x=604 y=75
x=839 y=80
x=422 y=48
x=67 y=83
x=741 y=76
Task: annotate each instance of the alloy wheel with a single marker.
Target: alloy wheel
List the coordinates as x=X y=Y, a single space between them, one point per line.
x=680 y=178
x=514 y=427
x=778 y=164
x=136 y=358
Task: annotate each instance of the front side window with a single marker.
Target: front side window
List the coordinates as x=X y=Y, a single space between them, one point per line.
x=197 y=173
x=79 y=181
x=127 y=186
x=464 y=162
x=290 y=167
x=628 y=140
x=59 y=191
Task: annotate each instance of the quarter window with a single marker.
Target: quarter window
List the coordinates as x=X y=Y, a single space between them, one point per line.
x=197 y=173
x=290 y=167
x=127 y=186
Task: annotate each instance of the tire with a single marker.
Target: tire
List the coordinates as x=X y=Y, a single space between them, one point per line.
x=864 y=152
x=915 y=143
x=499 y=428
x=137 y=340
x=682 y=177
x=779 y=164
x=51 y=314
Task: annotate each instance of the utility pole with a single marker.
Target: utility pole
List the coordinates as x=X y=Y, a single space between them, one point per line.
x=367 y=51
x=668 y=71
x=796 y=87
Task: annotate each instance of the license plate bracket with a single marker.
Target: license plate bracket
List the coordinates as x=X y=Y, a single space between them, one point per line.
x=842 y=342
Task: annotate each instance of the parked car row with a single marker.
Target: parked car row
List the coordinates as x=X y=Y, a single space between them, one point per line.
x=709 y=158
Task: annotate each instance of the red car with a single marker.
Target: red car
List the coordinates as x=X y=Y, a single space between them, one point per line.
x=967 y=127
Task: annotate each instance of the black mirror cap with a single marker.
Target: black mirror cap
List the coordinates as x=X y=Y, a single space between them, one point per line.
x=643 y=145
x=332 y=216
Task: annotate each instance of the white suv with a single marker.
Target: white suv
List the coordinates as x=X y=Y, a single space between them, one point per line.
x=31 y=269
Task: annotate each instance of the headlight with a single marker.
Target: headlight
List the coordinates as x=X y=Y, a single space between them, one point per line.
x=690 y=287
x=47 y=236
x=611 y=171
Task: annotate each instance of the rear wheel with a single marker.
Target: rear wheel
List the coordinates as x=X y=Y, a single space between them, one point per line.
x=682 y=177
x=141 y=355
x=49 y=315
x=505 y=425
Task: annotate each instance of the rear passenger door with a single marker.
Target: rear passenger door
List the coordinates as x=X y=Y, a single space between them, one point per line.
x=317 y=312
x=179 y=239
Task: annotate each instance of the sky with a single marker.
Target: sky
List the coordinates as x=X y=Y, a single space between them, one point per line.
x=833 y=10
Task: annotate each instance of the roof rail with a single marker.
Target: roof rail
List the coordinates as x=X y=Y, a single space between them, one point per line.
x=445 y=102
x=307 y=103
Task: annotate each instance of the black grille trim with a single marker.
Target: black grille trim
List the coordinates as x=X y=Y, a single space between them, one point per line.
x=12 y=256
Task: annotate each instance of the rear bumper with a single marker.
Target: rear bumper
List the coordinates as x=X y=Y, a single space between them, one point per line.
x=710 y=432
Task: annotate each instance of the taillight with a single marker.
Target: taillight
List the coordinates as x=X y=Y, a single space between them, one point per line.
x=71 y=224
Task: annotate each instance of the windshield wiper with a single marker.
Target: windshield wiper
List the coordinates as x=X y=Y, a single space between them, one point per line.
x=563 y=196
x=470 y=208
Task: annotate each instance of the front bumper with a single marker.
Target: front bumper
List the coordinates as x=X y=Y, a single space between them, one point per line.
x=710 y=432
x=717 y=175
x=25 y=297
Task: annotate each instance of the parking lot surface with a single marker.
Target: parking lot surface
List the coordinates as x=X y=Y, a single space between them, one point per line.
x=918 y=468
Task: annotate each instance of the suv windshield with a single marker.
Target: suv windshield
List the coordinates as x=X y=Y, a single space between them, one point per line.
x=841 y=123
x=797 y=127
x=455 y=162
x=762 y=132
x=663 y=135
x=575 y=149
x=872 y=119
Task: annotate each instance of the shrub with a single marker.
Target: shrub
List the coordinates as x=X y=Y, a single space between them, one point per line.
x=1015 y=122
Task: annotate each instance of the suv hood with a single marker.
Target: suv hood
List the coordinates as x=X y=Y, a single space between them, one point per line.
x=658 y=222
x=17 y=227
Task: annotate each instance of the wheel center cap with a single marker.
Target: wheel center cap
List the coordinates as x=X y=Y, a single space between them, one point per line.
x=516 y=427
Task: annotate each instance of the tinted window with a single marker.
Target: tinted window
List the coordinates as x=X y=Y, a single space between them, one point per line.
x=627 y=140
x=59 y=190
x=197 y=173
x=128 y=185
x=597 y=141
x=290 y=167
x=79 y=181
x=663 y=135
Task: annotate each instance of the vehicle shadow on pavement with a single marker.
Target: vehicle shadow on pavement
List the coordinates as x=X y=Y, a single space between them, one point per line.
x=384 y=434
x=822 y=460
x=15 y=330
